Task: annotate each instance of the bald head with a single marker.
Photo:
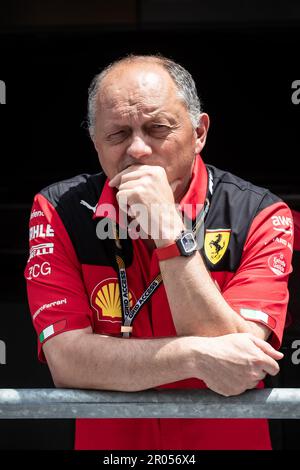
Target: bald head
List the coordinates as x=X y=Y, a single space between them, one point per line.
x=135 y=82
x=146 y=72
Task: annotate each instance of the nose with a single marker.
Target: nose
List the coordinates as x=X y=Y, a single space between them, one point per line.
x=138 y=148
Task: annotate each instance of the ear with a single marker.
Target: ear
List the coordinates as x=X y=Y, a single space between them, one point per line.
x=201 y=131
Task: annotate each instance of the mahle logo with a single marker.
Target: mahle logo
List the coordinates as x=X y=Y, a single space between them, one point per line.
x=2 y=92
x=2 y=352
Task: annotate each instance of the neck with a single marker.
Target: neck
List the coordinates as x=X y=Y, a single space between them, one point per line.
x=150 y=244
x=182 y=189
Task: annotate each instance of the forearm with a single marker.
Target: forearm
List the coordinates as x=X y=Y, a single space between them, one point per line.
x=97 y=362
x=228 y=364
x=197 y=306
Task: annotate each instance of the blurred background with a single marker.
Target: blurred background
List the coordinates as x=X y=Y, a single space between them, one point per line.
x=244 y=57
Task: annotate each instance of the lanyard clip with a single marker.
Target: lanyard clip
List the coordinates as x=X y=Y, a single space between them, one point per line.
x=126 y=330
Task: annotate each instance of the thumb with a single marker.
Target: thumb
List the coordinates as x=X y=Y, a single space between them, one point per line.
x=267 y=348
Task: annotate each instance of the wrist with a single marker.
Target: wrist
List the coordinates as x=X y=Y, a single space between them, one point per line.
x=190 y=345
x=168 y=235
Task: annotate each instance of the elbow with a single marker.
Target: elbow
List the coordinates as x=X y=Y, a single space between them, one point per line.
x=58 y=377
x=61 y=356
x=58 y=383
x=57 y=367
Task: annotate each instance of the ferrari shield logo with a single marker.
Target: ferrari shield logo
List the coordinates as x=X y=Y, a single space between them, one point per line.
x=215 y=244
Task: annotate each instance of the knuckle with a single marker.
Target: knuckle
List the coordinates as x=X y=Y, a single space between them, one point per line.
x=254 y=376
x=147 y=179
x=275 y=370
x=255 y=364
x=158 y=170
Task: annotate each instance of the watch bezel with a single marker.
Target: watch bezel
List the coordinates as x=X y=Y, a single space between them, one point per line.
x=181 y=247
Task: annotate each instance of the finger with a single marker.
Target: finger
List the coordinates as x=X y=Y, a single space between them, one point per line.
x=267 y=348
x=267 y=365
x=272 y=369
x=131 y=212
x=259 y=376
x=131 y=185
x=123 y=200
x=130 y=170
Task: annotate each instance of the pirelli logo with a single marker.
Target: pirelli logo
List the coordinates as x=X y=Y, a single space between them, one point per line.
x=41 y=249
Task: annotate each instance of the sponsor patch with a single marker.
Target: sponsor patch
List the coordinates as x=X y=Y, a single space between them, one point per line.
x=281 y=220
x=216 y=243
x=284 y=242
x=105 y=299
x=51 y=304
x=35 y=213
x=282 y=224
x=35 y=270
x=41 y=249
x=52 y=329
x=41 y=230
x=250 y=314
x=277 y=263
x=88 y=206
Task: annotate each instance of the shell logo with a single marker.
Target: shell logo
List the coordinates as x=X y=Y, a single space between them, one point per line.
x=106 y=300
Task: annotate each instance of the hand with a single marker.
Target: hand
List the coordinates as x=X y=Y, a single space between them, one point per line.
x=234 y=363
x=146 y=195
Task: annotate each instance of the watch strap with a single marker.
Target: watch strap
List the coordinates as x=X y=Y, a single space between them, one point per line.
x=167 y=252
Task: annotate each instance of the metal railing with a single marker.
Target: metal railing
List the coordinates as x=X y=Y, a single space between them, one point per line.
x=279 y=403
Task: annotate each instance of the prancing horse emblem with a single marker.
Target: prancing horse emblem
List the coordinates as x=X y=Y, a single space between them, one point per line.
x=216 y=243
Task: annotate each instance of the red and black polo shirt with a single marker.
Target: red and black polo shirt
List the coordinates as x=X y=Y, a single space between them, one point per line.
x=72 y=278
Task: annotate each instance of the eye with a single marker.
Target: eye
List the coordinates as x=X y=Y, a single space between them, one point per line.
x=117 y=133
x=159 y=126
x=159 y=129
x=118 y=136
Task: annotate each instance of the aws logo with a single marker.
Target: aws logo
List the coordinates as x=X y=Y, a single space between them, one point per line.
x=105 y=299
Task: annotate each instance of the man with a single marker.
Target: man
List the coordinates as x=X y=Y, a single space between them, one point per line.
x=133 y=313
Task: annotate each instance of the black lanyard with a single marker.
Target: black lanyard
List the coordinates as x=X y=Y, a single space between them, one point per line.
x=129 y=314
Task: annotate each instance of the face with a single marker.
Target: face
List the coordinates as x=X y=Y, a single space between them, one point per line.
x=141 y=120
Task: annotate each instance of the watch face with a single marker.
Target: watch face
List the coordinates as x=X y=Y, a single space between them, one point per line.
x=188 y=243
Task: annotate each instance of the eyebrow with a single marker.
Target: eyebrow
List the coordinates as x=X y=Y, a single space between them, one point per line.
x=116 y=124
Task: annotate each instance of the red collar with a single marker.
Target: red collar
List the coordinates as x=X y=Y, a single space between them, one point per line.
x=191 y=203
x=193 y=200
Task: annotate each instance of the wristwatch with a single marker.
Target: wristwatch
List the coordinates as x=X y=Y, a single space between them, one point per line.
x=184 y=245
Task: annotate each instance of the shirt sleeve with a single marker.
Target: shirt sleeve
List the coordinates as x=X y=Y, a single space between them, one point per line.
x=56 y=294
x=259 y=289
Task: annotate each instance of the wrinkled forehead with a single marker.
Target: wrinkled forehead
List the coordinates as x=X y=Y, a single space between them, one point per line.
x=135 y=85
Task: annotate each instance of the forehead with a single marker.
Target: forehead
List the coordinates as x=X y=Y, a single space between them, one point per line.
x=136 y=87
